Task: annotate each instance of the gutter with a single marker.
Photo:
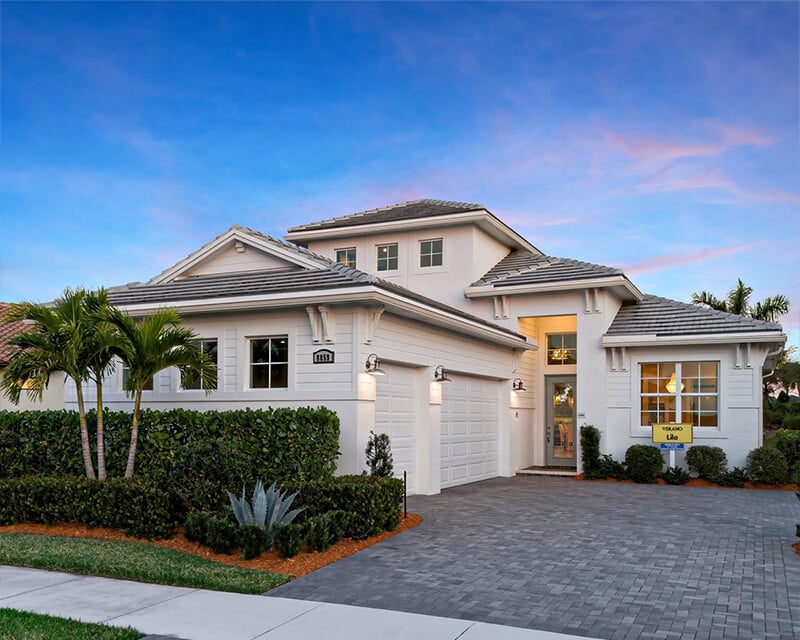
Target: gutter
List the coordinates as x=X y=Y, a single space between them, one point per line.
x=654 y=340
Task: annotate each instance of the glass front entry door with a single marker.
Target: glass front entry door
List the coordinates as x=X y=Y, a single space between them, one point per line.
x=560 y=427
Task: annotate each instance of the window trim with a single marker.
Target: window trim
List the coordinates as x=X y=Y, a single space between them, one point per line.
x=249 y=362
x=388 y=258
x=680 y=393
x=347 y=262
x=202 y=341
x=431 y=254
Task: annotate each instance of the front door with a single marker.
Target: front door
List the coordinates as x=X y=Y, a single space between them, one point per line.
x=560 y=426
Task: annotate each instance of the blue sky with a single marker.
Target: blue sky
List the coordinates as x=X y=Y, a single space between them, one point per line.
x=661 y=138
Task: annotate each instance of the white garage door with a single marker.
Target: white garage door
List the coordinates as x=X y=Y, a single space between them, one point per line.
x=395 y=414
x=469 y=430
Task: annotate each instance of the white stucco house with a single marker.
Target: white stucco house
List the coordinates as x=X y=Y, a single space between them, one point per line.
x=493 y=353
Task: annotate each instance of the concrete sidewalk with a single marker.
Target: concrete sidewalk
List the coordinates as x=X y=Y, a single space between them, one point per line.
x=197 y=614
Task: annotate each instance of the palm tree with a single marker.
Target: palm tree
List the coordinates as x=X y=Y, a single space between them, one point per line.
x=150 y=345
x=738 y=302
x=60 y=340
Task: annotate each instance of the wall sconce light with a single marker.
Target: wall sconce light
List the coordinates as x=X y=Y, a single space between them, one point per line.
x=440 y=374
x=373 y=365
x=517 y=385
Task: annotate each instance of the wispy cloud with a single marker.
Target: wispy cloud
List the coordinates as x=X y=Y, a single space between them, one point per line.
x=662 y=263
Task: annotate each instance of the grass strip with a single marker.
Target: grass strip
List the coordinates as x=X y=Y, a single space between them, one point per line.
x=131 y=561
x=21 y=625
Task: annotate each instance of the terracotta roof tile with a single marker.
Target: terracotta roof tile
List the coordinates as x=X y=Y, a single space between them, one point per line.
x=8 y=331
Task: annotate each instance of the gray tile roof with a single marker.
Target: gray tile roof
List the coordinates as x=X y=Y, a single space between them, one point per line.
x=274 y=281
x=404 y=211
x=524 y=267
x=663 y=317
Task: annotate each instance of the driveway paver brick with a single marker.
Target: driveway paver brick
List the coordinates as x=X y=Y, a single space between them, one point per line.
x=595 y=559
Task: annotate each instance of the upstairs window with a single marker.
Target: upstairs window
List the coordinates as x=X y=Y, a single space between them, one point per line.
x=209 y=347
x=387 y=257
x=346 y=256
x=684 y=392
x=562 y=348
x=430 y=253
x=269 y=362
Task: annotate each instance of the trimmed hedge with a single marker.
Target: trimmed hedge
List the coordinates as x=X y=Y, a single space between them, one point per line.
x=590 y=450
x=138 y=507
x=198 y=455
x=643 y=463
x=707 y=462
x=372 y=504
x=767 y=465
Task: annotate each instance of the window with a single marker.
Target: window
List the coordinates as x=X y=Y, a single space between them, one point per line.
x=430 y=253
x=686 y=392
x=125 y=371
x=209 y=347
x=269 y=363
x=387 y=257
x=562 y=348
x=346 y=256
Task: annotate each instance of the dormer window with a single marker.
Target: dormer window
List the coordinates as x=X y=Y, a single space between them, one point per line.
x=430 y=253
x=346 y=256
x=387 y=257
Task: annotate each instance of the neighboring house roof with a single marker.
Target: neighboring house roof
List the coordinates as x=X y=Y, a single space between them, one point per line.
x=411 y=210
x=524 y=267
x=8 y=331
x=655 y=316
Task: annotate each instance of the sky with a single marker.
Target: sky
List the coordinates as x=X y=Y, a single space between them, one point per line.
x=660 y=138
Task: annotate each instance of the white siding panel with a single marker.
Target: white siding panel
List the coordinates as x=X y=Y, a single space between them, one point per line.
x=395 y=413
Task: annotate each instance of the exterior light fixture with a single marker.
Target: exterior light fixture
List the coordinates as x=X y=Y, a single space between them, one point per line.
x=373 y=365
x=517 y=385
x=440 y=374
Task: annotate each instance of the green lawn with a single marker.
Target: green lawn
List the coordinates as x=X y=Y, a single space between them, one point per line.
x=20 y=625
x=131 y=561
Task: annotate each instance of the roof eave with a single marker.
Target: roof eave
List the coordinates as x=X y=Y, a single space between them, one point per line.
x=486 y=219
x=655 y=340
x=623 y=287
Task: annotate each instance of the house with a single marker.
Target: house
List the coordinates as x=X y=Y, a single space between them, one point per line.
x=52 y=396
x=492 y=352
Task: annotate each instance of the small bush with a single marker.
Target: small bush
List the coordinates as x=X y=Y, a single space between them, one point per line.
x=379 y=455
x=195 y=527
x=339 y=523
x=767 y=465
x=788 y=443
x=317 y=530
x=607 y=467
x=676 y=475
x=707 y=462
x=643 y=463
x=590 y=450
x=221 y=535
x=736 y=477
x=791 y=422
x=288 y=537
x=252 y=541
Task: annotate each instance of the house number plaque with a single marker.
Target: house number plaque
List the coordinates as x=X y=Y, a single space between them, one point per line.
x=323 y=356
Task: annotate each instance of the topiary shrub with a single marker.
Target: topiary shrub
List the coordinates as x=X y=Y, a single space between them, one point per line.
x=676 y=475
x=317 y=532
x=707 y=462
x=590 y=450
x=736 y=477
x=288 y=537
x=643 y=463
x=767 y=465
x=221 y=535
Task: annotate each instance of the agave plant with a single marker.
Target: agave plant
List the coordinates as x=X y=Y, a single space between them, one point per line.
x=268 y=508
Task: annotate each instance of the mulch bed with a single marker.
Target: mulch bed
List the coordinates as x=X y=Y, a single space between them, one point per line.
x=699 y=482
x=302 y=564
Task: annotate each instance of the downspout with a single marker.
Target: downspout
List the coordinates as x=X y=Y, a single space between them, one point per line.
x=769 y=355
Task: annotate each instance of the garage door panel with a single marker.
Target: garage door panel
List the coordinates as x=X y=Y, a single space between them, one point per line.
x=395 y=415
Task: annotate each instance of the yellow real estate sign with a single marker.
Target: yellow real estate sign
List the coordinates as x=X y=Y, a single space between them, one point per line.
x=672 y=433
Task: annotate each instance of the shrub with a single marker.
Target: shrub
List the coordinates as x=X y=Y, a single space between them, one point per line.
x=221 y=535
x=288 y=537
x=791 y=421
x=676 y=475
x=252 y=541
x=268 y=507
x=379 y=455
x=372 y=504
x=643 y=463
x=707 y=462
x=195 y=527
x=607 y=467
x=788 y=443
x=590 y=450
x=767 y=465
x=736 y=477
x=317 y=532
x=136 y=506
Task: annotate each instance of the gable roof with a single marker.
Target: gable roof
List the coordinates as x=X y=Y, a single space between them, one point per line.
x=661 y=317
x=278 y=248
x=525 y=272
x=8 y=331
x=411 y=210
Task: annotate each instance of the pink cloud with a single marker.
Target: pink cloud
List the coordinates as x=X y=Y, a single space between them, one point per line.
x=661 y=263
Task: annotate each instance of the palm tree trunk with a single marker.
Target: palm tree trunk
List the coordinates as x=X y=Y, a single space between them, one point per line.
x=137 y=405
x=101 y=441
x=87 y=452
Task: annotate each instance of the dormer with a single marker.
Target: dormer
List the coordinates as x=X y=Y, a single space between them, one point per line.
x=434 y=247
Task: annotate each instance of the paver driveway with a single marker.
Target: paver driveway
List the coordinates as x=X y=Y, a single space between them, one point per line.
x=589 y=558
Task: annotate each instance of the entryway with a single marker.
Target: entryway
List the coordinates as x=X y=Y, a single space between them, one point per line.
x=560 y=431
